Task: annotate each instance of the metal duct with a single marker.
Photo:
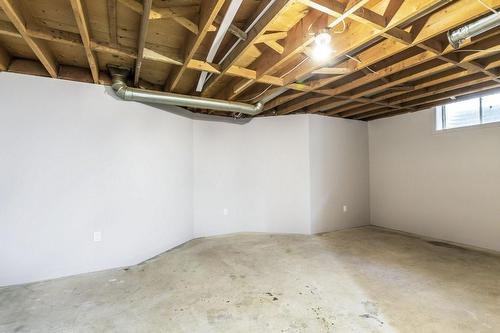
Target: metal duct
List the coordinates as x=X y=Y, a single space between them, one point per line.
x=456 y=37
x=119 y=85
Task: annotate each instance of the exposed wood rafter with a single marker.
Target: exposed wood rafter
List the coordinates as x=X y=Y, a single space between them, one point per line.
x=83 y=27
x=41 y=50
x=209 y=11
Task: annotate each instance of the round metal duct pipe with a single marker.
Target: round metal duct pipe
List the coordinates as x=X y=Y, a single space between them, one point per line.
x=119 y=85
x=456 y=37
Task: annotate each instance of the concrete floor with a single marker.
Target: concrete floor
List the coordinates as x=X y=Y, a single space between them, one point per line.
x=357 y=280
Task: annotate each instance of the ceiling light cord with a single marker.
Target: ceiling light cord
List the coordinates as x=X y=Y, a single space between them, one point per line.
x=359 y=61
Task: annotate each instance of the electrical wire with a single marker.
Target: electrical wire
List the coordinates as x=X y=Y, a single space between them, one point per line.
x=488 y=7
x=343 y=28
x=360 y=62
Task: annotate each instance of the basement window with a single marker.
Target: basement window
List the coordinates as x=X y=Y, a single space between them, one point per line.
x=475 y=111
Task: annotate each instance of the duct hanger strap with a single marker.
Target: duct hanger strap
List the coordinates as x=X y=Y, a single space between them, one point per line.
x=119 y=85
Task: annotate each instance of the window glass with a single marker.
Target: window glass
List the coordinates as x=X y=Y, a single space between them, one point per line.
x=463 y=113
x=491 y=108
x=474 y=111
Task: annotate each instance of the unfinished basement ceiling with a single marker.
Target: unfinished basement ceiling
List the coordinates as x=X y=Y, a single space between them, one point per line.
x=389 y=56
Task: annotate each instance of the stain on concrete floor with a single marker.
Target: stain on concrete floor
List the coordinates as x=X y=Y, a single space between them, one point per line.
x=357 y=280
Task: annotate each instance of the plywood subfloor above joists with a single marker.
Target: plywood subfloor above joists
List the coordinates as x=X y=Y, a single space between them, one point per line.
x=389 y=57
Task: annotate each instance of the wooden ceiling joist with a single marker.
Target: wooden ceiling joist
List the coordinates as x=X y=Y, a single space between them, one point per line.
x=83 y=27
x=39 y=48
x=262 y=25
x=298 y=38
x=209 y=11
x=160 y=13
x=4 y=59
x=428 y=32
x=389 y=57
x=455 y=96
x=112 y=22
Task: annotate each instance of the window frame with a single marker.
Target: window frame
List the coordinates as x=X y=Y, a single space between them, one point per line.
x=441 y=110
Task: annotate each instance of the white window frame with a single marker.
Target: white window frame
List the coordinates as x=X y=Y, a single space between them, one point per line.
x=440 y=116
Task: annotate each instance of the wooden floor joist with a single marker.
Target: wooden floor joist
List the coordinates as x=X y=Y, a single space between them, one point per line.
x=83 y=27
x=40 y=49
x=389 y=57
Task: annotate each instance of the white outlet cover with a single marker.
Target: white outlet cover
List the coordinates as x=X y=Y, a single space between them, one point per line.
x=344 y=208
x=97 y=236
x=225 y=211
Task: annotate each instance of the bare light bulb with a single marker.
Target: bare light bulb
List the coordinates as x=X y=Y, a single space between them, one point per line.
x=322 y=49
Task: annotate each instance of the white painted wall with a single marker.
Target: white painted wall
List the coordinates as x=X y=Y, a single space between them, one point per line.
x=339 y=173
x=444 y=185
x=259 y=171
x=75 y=160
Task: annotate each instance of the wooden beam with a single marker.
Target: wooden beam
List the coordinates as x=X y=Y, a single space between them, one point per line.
x=186 y=23
x=274 y=45
x=300 y=105
x=8 y=29
x=452 y=96
x=83 y=27
x=332 y=71
x=232 y=28
x=41 y=50
x=30 y=67
x=162 y=55
x=390 y=70
x=112 y=22
x=297 y=39
x=362 y=15
x=141 y=40
x=54 y=35
x=427 y=82
x=209 y=11
x=350 y=8
x=4 y=59
x=333 y=8
x=161 y=13
x=272 y=37
x=434 y=20
x=433 y=87
x=262 y=25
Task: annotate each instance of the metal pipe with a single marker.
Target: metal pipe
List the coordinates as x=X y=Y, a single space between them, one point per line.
x=458 y=36
x=119 y=85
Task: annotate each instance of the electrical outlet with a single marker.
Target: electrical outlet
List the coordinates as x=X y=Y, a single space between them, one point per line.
x=225 y=211
x=97 y=236
x=344 y=208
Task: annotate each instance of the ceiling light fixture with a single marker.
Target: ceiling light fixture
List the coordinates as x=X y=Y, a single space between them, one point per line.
x=322 y=49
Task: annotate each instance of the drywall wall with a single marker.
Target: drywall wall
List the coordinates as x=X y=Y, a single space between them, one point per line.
x=443 y=184
x=288 y=174
x=252 y=176
x=77 y=160
x=74 y=160
x=339 y=173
